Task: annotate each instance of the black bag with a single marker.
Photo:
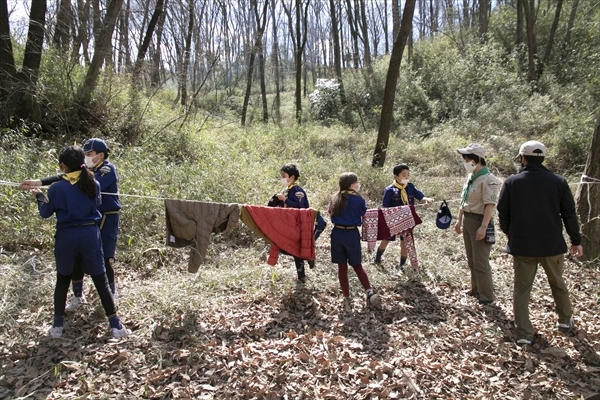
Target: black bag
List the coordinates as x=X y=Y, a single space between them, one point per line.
x=490 y=233
x=275 y=202
x=444 y=216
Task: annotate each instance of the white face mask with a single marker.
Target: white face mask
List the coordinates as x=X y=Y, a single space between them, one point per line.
x=404 y=181
x=469 y=166
x=89 y=162
x=284 y=182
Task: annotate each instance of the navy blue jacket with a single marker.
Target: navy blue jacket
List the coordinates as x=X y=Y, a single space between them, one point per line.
x=393 y=198
x=353 y=213
x=70 y=204
x=532 y=207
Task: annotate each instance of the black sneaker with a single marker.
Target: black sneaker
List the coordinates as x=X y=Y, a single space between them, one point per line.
x=566 y=328
x=311 y=264
x=485 y=302
x=523 y=342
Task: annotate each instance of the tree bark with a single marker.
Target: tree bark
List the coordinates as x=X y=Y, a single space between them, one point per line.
x=63 y=23
x=588 y=199
x=157 y=54
x=484 y=9
x=8 y=69
x=520 y=6
x=261 y=20
x=183 y=75
x=532 y=56
x=550 y=43
x=337 y=58
x=35 y=43
x=571 y=22
x=158 y=10
x=101 y=51
x=275 y=62
x=389 y=93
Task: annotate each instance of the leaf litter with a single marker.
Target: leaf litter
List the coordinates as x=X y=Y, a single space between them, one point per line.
x=262 y=337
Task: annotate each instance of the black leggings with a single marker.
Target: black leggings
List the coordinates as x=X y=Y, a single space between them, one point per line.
x=77 y=274
x=101 y=284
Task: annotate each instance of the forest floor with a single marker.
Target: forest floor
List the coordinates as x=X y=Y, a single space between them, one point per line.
x=240 y=329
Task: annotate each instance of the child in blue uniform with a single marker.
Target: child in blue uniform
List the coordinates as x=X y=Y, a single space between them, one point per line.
x=74 y=199
x=295 y=197
x=347 y=208
x=96 y=159
x=400 y=193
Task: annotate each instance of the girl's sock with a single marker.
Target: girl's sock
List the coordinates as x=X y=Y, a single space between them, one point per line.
x=59 y=320
x=78 y=288
x=402 y=260
x=115 y=322
x=378 y=255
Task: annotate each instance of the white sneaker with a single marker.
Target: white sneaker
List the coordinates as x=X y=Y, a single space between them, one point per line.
x=121 y=333
x=56 y=332
x=375 y=300
x=75 y=302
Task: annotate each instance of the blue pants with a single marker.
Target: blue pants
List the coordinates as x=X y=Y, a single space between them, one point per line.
x=81 y=242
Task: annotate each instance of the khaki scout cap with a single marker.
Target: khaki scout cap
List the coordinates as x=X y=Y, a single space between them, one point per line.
x=473 y=148
x=533 y=148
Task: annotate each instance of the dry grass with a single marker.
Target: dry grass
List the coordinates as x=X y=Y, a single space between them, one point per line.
x=240 y=329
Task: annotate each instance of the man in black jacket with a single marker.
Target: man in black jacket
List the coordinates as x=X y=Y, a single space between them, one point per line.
x=532 y=207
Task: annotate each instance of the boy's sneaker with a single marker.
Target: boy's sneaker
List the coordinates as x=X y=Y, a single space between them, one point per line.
x=566 y=328
x=523 y=342
x=374 y=300
x=121 y=333
x=485 y=302
x=75 y=302
x=56 y=332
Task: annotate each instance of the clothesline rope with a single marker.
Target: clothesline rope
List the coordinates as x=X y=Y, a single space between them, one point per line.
x=139 y=196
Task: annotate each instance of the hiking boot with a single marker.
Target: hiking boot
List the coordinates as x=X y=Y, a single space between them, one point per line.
x=56 y=332
x=566 y=328
x=523 y=342
x=120 y=333
x=75 y=302
x=374 y=299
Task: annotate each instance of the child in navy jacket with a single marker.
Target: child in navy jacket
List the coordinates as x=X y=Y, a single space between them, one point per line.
x=75 y=200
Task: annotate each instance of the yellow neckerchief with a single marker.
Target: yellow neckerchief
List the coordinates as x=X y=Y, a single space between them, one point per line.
x=72 y=177
x=349 y=192
x=403 y=193
x=289 y=187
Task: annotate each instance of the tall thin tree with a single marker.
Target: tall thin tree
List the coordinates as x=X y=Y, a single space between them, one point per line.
x=389 y=93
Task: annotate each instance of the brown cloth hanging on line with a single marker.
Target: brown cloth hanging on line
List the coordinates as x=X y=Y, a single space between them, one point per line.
x=190 y=223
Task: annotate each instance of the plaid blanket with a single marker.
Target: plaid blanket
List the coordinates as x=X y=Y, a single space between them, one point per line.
x=382 y=223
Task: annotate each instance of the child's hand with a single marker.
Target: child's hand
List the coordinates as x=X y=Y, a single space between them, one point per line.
x=281 y=197
x=427 y=201
x=30 y=184
x=35 y=192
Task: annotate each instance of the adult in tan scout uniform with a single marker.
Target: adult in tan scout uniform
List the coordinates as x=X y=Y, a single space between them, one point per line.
x=479 y=198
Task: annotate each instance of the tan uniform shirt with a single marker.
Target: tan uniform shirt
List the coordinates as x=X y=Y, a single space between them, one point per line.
x=484 y=190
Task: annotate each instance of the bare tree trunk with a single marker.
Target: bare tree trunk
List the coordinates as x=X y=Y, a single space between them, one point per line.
x=157 y=54
x=81 y=40
x=353 y=34
x=550 y=43
x=124 y=55
x=389 y=93
x=158 y=10
x=261 y=20
x=64 y=18
x=588 y=199
x=186 y=55
x=337 y=62
x=35 y=43
x=529 y=8
x=8 y=70
x=365 y=39
x=484 y=9
x=275 y=61
x=101 y=50
x=298 y=35
x=520 y=5
x=571 y=22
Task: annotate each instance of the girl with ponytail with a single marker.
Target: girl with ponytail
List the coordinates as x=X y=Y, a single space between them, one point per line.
x=75 y=200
